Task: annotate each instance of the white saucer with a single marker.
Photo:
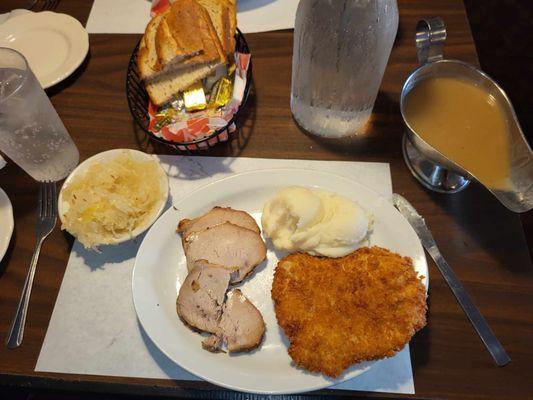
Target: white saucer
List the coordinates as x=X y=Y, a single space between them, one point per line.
x=54 y=44
x=13 y=13
x=6 y=226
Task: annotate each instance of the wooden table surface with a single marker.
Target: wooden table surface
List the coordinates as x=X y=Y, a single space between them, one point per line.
x=482 y=240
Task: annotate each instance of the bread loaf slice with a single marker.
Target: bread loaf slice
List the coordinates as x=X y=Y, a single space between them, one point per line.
x=187 y=28
x=173 y=47
x=232 y=15
x=219 y=13
x=163 y=88
x=181 y=47
x=147 y=61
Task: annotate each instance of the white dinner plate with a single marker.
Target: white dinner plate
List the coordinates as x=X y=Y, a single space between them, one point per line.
x=6 y=223
x=54 y=44
x=160 y=268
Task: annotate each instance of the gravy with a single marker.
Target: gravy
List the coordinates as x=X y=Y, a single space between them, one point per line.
x=465 y=123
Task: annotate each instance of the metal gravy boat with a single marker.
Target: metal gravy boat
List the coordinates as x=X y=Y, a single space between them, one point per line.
x=429 y=166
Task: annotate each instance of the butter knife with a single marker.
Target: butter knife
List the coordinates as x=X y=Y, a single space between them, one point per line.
x=492 y=344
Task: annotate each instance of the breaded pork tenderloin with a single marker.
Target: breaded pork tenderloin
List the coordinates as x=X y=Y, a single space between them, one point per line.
x=340 y=311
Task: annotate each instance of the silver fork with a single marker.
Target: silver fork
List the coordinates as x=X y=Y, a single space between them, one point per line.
x=46 y=222
x=48 y=4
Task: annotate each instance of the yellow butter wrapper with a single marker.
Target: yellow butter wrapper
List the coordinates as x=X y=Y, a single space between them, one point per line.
x=194 y=98
x=231 y=69
x=221 y=93
x=163 y=118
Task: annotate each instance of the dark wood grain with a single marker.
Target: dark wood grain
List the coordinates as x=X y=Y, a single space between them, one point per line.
x=501 y=32
x=481 y=239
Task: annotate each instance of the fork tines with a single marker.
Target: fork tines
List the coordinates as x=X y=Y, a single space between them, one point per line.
x=46 y=4
x=47 y=200
x=50 y=4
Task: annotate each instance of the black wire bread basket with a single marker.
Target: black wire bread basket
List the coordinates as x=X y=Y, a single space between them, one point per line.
x=138 y=101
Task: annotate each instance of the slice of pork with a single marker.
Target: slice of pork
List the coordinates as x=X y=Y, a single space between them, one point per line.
x=241 y=327
x=216 y=216
x=202 y=295
x=226 y=244
x=213 y=343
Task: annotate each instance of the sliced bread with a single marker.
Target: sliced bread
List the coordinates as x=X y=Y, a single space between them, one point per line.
x=164 y=87
x=232 y=14
x=181 y=46
x=219 y=12
x=147 y=61
x=186 y=28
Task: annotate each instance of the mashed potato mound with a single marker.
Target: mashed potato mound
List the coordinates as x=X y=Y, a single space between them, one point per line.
x=112 y=198
x=315 y=221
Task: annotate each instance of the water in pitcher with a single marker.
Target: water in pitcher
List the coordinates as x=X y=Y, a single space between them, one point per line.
x=31 y=132
x=341 y=49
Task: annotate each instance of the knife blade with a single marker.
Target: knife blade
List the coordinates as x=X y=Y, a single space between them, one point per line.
x=481 y=326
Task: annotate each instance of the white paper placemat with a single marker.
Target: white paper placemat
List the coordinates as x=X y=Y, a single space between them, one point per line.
x=132 y=16
x=94 y=330
x=266 y=15
x=119 y=16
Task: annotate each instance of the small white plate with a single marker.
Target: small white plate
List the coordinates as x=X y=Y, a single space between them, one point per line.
x=13 y=13
x=160 y=268
x=63 y=206
x=6 y=224
x=54 y=44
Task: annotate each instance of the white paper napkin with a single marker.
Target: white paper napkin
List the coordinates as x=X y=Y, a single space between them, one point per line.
x=132 y=16
x=94 y=330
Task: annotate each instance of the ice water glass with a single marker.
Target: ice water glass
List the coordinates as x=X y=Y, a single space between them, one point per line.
x=341 y=49
x=31 y=132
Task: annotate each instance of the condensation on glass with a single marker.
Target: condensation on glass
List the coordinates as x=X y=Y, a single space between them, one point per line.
x=31 y=132
x=341 y=49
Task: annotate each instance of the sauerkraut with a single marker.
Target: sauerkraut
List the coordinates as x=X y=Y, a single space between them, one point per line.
x=111 y=199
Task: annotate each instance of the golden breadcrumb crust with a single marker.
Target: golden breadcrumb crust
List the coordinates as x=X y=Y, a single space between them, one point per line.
x=340 y=311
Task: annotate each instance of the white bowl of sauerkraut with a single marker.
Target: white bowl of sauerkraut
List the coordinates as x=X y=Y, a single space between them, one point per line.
x=113 y=197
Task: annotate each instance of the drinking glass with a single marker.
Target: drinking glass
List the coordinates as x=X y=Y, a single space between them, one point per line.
x=31 y=132
x=341 y=49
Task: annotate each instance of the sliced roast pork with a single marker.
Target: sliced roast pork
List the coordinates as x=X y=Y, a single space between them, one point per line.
x=213 y=343
x=202 y=296
x=216 y=216
x=226 y=244
x=241 y=326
